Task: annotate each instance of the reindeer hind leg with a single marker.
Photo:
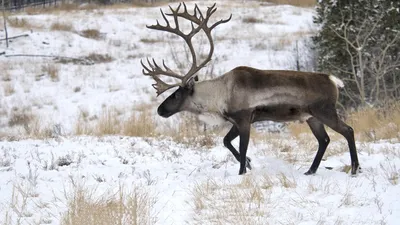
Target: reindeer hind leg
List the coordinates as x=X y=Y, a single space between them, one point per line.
x=326 y=113
x=318 y=129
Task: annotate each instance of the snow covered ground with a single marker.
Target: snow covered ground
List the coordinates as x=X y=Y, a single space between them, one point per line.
x=189 y=183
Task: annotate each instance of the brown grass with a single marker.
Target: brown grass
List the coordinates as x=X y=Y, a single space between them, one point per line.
x=20 y=23
x=99 y=58
x=6 y=74
x=32 y=125
x=369 y=124
x=57 y=26
x=68 y=7
x=108 y=123
x=52 y=71
x=252 y=19
x=133 y=208
x=192 y=132
x=372 y=124
x=247 y=201
x=151 y=40
x=141 y=124
x=82 y=126
x=91 y=33
x=20 y=118
x=297 y=129
x=62 y=7
x=8 y=88
x=299 y=3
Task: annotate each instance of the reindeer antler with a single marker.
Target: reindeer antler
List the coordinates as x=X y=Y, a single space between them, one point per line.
x=198 y=22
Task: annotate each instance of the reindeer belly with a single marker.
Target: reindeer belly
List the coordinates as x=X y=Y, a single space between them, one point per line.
x=280 y=113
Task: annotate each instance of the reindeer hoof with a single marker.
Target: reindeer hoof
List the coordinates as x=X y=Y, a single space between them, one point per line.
x=241 y=172
x=309 y=172
x=248 y=163
x=355 y=170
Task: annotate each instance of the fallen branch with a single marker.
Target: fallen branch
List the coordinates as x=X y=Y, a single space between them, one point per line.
x=18 y=36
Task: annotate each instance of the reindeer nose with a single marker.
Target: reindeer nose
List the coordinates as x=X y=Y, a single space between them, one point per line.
x=162 y=112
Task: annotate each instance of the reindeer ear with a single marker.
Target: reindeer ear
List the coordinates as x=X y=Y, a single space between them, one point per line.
x=190 y=83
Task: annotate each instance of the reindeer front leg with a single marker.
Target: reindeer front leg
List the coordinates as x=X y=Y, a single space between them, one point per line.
x=242 y=120
x=229 y=137
x=244 y=135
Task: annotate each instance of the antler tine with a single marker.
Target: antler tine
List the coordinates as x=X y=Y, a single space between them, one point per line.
x=145 y=70
x=161 y=86
x=174 y=14
x=197 y=9
x=165 y=18
x=165 y=66
x=202 y=24
x=184 y=7
x=198 y=22
x=220 y=22
x=211 y=10
x=154 y=70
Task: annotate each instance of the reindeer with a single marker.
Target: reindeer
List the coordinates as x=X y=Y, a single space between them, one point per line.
x=246 y=95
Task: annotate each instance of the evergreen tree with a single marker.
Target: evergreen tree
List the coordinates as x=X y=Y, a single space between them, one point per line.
x=359 y=42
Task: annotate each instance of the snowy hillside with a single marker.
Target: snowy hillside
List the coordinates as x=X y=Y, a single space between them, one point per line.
x=55 y=114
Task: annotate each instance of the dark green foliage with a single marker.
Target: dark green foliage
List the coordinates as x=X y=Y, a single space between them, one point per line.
x=359 y=42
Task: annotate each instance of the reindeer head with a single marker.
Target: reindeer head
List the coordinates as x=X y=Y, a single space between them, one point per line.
x=176 y=101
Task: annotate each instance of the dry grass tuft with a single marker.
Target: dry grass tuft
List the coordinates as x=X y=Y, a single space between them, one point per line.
x=68 y=6
x=57 y=26
x=108 y=123
x=51 y=70
x=371 y=124
x=297 y=129
x=299 y=3
x=20 y=118
x=390 y=172
x=71 y=6
x=6 y=74
x=140 y=125
x=8 y=88
x=99 y=58
x=82 y=125
x=287 y=182
x=18 y=23
x=91 y=33
x=252 y=19
x=91 y=59
x=32 y=125
x=151 y=40
x=192 y=132
x=247 y=201
x=64 y=6
x=124 y=208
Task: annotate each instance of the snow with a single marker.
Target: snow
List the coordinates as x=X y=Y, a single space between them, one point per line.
x=36 y=174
